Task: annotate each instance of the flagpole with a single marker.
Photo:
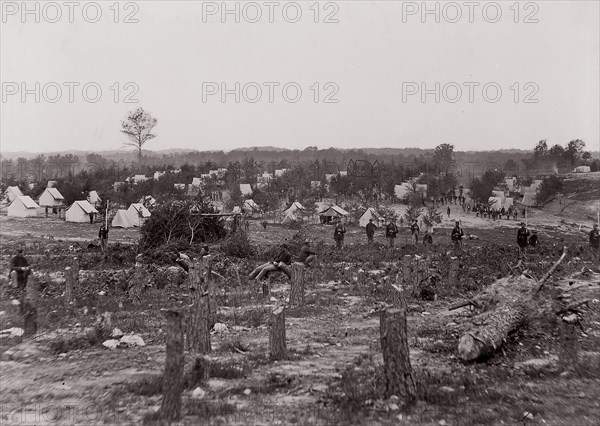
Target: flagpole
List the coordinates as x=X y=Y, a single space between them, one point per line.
x=106 y=215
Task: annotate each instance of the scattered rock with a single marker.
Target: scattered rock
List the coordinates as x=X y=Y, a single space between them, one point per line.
x=116 y=333
x=198 y=393
x=394 y=407
x=247 y=391
x=26 y=350
x=220 y=328
x=132 y=340
x=111 y=344
x=13 y=332
x=527 y=415
x=15 y=302
x=447 y=389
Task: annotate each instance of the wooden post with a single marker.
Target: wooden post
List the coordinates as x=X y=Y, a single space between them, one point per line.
x=29 y=309
x=396 y=357
x=277 y=341
x=297 y=285
x=569 y=346
x=173 y=376
x=198 y=330
x=137 y=286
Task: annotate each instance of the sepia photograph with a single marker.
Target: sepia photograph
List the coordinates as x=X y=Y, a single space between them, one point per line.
x=311 y=212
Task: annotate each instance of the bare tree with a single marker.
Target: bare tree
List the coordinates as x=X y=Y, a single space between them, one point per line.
x=138 y=128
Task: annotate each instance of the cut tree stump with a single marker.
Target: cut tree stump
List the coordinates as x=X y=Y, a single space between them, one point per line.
x=198 y=325
x=277 y=341
x=173 y=376
x=396 y=356
x=297 y=285
x=569 y=346
x=29 y=308
x=452 y=272
x=398 y=295
x=71 y=282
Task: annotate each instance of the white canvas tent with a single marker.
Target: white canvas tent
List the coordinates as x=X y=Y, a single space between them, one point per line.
x=289 y=219
x=508 y=202
x=196 y=182
x=401 y=191
x=93 y=198
x=139 y=178
x=529 y=199
x=498 y=194
x=296 y=207
x=332 y=213
x=582 y=169
x=137 y=214
x=245 y=189
x=496 y=202
x=80 y=211
x=12 y=192
x=251 y=206
x=122 y=220
x=23 y=206
x=51 y=198
x=370 y=213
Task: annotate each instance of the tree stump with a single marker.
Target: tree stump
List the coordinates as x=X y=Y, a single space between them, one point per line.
x=398 y=295
x=137 y=283
x=569 y=346
x=174 y=363
x=277 y=343
x=29 y=308
x=198 y=327
x=396 y=357
x=452 y=272
x=69 y=284
x=209 y=287
x=297 y=285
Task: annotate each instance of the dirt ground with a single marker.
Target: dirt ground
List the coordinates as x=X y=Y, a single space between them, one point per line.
x=331 y=374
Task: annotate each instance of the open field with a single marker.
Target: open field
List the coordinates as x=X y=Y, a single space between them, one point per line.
x=331 y=374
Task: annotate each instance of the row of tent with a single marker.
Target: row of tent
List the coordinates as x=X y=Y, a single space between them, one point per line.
x=80 y=212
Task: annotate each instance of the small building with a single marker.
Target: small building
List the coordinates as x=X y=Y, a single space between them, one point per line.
x=401 y=191
x=12 y=192
x=118 y=185
x=139 y=178
x=138 y=214
x=23 y=206
x=147 y=201
x=196 y=182
x=122 y=220
x=81 y=212
x=582 y=169
x=498 y=194
x=280 y=172
x=158 y=175
x=51 y=198
x=369 y=214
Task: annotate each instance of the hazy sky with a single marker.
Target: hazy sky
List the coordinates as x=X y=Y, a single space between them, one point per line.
x=375 y=61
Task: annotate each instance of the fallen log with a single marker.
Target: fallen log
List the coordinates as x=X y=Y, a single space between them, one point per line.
x=502 y=307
